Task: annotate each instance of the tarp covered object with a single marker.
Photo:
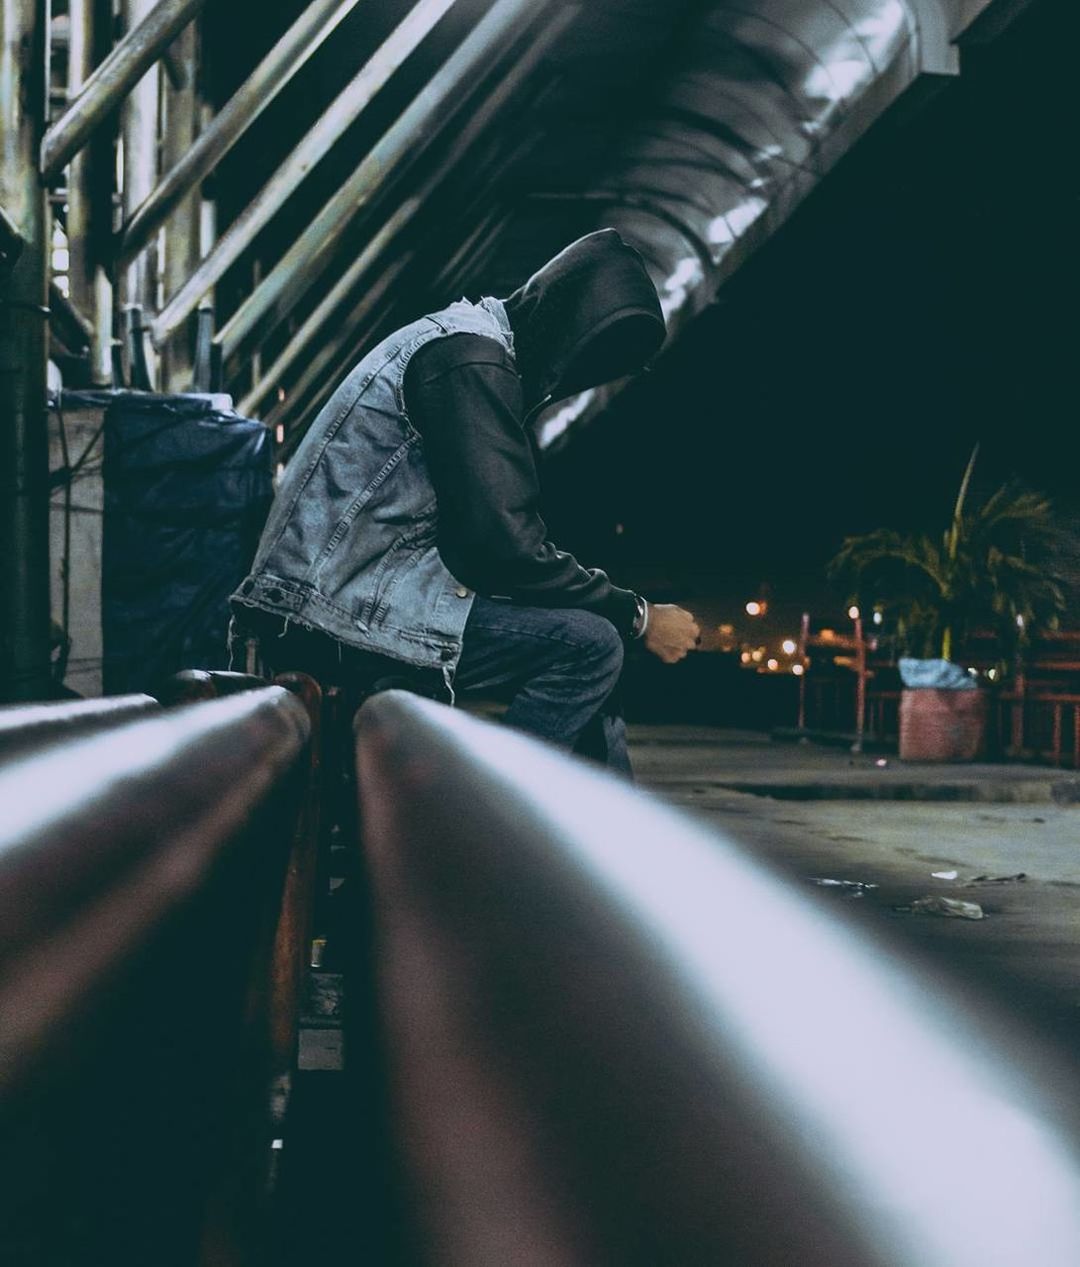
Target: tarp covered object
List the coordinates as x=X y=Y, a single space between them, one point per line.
x=187 y=489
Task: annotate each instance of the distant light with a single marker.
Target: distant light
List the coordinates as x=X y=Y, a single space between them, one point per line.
x=973 y=672
x=1019 y=621
x=788 y=646
x=753 y=608
x=992 y=674
x=757 y=655
x=281 y=395
x=727 y=630
x=279 y=433
x=773 y=665
x=798 y=670
x=878 y=616
x=280 y=470
x=853 y=612
x=619 y=529
x=745 y=657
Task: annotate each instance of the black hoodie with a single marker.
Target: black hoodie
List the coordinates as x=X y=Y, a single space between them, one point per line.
x=589 y=316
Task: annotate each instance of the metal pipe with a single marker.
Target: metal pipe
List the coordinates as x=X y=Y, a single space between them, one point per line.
x=182 y=231
x=141 y=875
x=424 y=119
x=316 y=371
x=382 y=241
x=110 y=83
x=613 y=1034
x=139 y=126
x=313 y=393
x=300 y=342
x=333 y=122
x=307 y=34
x=24 y=443
x=25 y=726
x=79 y=190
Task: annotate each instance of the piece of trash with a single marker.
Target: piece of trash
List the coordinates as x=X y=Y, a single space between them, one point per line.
x=881 y=763
x=950 y=906
x=998 y=879
x=850 y=888
x=944 y=875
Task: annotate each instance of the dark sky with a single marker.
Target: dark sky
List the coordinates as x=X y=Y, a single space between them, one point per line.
x=923 y=298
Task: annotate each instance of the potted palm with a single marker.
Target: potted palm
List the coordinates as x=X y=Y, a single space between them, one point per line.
x=996 y=566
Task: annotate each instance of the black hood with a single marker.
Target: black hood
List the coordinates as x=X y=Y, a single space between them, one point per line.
x=589 y=316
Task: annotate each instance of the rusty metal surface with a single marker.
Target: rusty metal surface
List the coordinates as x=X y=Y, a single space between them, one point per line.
x=292 y=939
x=113 y=80
x=140 y=876
x=614 y=1036
x=190 y=685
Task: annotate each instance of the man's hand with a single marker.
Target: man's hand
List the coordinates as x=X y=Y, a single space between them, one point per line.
x=671 y=632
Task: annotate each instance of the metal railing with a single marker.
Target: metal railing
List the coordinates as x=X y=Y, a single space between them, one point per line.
x=23 y=726
x=612 y=1036
x=141 y=878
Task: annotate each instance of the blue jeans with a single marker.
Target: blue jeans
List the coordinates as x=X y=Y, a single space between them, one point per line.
x=560 y=669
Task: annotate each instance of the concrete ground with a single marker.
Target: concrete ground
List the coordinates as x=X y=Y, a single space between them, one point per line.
x=821 y=813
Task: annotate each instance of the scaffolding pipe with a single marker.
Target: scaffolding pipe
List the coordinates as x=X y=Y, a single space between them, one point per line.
x=110 y=83
x=331 y=125
x=314 y=25
x=90 y=180
x=139 y=123
x=388 y=234
x=422 y=120
x=315 y=372
x=24 y=441
x=299 y=343
x=80 y=66
x=182 y=231
x=316 y=394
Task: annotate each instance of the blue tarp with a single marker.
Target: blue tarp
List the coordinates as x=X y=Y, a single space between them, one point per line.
x=187 y=489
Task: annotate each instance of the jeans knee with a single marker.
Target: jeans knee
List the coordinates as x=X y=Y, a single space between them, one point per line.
x=604 y=649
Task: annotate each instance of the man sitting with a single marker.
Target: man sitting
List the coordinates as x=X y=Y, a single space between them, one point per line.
x=406 y=542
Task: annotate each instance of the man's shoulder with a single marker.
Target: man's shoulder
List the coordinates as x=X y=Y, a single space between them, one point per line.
x=456 y=350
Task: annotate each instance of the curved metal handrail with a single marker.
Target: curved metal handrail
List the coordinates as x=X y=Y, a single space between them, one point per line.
x=615 y=1037
x=26 y=725
x=141 y=876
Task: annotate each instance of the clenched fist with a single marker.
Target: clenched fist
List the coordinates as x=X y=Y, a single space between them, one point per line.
x=671 y=632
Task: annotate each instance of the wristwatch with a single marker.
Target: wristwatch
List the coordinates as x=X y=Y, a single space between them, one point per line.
x=641 y=618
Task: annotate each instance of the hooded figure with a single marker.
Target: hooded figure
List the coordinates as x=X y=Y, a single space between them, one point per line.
x=407 y=529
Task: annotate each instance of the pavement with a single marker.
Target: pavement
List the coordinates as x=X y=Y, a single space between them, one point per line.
x=1006 y=837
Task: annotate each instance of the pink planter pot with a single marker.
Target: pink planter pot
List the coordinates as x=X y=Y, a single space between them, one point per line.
x=943 y=725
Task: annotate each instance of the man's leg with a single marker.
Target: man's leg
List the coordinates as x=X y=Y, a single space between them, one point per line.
x=560 y=667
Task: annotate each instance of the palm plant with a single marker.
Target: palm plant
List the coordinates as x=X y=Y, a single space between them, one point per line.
x=996 y=566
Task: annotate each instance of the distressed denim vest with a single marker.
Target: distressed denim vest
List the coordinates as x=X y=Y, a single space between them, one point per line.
x=349 y=546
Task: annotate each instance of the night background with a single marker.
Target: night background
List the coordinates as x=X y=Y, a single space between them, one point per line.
x=922 y=298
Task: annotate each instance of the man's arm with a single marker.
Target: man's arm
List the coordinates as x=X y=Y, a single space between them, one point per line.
x=464 y=397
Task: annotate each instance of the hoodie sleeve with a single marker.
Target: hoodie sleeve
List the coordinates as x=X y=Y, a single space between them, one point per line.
x=464 y=397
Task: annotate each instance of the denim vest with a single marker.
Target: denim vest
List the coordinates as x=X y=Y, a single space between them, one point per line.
x=349 y=547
